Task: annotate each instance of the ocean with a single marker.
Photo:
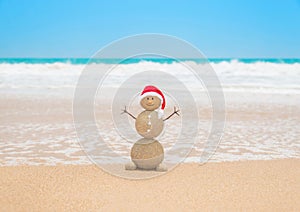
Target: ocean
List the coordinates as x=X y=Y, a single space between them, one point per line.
x=262 y=108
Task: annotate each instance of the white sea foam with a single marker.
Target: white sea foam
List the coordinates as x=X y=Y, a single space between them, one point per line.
x=234 y=75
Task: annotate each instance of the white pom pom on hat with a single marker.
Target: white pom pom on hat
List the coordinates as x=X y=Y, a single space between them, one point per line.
x=151 y=90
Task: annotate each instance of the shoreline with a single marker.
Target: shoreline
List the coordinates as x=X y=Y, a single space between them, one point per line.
x=248 y=185
x=45 y=128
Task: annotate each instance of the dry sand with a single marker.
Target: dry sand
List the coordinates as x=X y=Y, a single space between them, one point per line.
x=250 y=185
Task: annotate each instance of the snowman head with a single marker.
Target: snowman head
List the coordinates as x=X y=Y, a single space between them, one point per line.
x=150 y=102
x=152 y=98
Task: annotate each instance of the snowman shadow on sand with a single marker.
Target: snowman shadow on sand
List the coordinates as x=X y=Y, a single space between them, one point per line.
x=147 y=153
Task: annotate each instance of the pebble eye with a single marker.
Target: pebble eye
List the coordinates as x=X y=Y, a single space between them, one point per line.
x=152 y=98
x=147 y=98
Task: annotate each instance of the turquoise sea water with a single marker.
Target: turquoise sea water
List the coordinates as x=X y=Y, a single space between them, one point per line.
x=137 y=60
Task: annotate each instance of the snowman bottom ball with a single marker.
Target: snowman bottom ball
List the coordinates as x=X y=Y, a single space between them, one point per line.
x=147 y=153
x=148 y=124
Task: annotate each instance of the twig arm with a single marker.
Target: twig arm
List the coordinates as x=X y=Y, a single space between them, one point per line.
x=175 y=112
x=125 y=111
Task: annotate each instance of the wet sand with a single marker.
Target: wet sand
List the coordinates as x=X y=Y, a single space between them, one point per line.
x=248 y=186
x=37 y=130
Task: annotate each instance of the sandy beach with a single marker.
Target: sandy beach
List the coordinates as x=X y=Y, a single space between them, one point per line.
x=256 y=166
x=28 y=183
x=229 y=186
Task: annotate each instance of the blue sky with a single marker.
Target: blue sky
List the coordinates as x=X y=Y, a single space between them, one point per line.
x=73 y=28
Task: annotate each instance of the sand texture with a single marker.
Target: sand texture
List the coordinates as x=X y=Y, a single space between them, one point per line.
x=248 y=186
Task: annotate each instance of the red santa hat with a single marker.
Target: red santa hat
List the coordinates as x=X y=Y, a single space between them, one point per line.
x=151 y=90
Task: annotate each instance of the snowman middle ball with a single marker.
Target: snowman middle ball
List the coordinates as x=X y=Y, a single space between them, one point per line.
x=148 y=124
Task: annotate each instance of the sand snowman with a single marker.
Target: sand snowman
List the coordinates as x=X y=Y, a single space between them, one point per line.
x=147 y=153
